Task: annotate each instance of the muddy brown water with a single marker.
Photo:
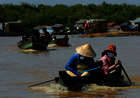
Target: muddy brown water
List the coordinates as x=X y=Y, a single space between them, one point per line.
x=19 y=69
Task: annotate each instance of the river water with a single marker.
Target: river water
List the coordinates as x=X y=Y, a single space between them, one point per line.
x=20 y=69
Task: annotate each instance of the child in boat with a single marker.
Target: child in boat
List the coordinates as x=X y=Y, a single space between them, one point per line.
x=82 y=62
x=109 y=61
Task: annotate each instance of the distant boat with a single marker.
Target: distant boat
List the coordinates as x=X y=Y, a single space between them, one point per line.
x=63 y=42
x=28 y=44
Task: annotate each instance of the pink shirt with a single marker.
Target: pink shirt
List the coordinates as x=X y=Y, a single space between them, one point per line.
x=107 y=64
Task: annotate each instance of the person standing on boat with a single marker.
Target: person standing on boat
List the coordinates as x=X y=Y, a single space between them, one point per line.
x=45 y=39
x=82 y=62
x=110 y=63
x=47 y=35
x=36 y=40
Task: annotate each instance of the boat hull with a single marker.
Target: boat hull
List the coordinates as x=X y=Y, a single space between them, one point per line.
x=25 y=44
x=38 y=46
x=76 y=83
x=60 y=42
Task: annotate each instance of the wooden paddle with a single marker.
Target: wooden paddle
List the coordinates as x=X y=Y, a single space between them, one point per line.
x=125 y=72
x=55 y=79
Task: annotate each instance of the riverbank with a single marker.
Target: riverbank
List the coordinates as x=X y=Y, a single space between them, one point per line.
x=111 y=34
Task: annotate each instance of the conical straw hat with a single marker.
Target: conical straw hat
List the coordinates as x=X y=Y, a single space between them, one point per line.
x=86 y=50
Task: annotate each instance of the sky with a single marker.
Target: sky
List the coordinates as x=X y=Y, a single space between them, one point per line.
x=69 y=2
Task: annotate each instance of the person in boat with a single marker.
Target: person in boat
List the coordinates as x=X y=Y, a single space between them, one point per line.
x=36 y=40
x=110 y=65
x=81 y=68
x=82 y=62
x=45 y=38
x=47 y=35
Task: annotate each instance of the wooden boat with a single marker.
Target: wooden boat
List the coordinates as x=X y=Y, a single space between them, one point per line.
x=25 y=44
x=62 y=42
x=96 y=77
x=28 y=44
x=114 y=79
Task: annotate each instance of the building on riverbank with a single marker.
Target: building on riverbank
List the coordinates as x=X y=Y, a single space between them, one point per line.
x=91 y=25
x=12 y=28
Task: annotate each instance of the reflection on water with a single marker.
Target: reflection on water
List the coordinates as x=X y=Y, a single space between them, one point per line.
x=21 y=68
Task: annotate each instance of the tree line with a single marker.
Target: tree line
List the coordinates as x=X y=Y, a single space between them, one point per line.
x=33 y=15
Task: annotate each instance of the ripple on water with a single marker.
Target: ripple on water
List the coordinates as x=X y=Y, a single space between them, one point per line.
x=87 y=91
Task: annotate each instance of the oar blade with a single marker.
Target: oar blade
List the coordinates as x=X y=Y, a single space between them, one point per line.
x=130 y=82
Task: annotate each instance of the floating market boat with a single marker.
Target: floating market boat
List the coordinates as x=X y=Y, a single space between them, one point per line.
x=96 y=77
x=25 y=44
x=115 y=79
x=62 y=42
x=28 y=44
